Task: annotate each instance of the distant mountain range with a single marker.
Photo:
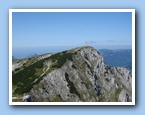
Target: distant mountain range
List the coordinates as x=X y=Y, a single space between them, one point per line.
x=117 y=58
x=29 y=56
x=32 y=55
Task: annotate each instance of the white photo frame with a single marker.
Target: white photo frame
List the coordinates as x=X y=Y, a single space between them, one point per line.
x=71 y=10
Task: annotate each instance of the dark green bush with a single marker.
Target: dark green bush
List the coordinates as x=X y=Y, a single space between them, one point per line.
x=17 y=69
x=38 y=64
x=61 y=58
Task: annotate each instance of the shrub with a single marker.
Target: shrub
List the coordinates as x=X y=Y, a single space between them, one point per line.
x=61 y=58
x=17 y=69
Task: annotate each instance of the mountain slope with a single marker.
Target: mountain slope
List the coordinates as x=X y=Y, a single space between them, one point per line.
x=75 y=75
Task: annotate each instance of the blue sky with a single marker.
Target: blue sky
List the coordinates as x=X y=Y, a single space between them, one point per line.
x=33 y=29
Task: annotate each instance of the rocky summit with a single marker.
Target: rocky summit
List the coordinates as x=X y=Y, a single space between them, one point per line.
x=76 y=75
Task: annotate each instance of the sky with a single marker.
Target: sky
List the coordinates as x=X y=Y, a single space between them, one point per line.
x=37 y=29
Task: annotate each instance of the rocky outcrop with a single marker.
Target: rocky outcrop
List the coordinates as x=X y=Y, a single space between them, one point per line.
x=44 y=56
x=18 y=64
x=84 y=77
x=27 y=98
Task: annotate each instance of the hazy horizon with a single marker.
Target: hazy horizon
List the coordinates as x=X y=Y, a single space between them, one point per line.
x=24 y=52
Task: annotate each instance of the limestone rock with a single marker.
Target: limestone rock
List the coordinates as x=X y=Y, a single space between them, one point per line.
x=83 y=77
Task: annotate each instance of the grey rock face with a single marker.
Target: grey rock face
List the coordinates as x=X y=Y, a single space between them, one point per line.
x=85 y=78
x=18 y=64
x=44 y=56
x=27 y=98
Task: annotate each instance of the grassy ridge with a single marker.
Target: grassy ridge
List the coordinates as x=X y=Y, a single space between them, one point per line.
x=24 y=79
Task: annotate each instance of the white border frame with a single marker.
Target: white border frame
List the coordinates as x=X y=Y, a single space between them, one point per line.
x=71 y=10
